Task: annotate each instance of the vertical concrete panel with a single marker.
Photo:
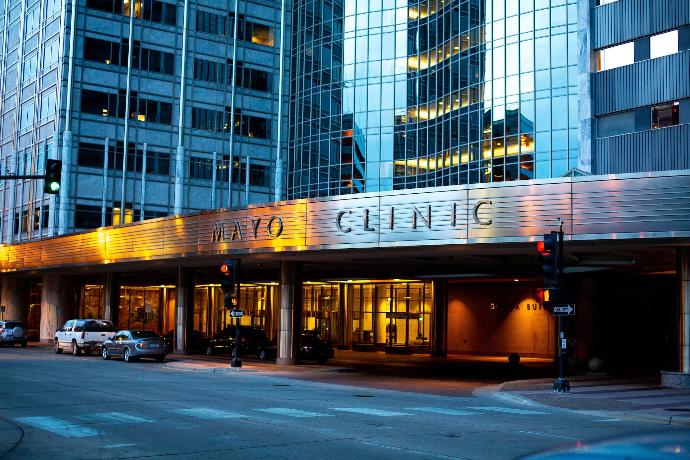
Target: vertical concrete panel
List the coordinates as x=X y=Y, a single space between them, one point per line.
x=58 y=304
x=111 y=293
x=290 y=312
x=439 y=319
x=15 y=298
x=184 y=309
x=684 y=326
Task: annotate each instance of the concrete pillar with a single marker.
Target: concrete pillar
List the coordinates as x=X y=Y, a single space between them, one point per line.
x=290 y=313
x=439 y=319
x=58 y=304
x=343 y=336
x=14 y=297
x=111 y=298
x=681 y=379
x=684 y=279
x=184 y=309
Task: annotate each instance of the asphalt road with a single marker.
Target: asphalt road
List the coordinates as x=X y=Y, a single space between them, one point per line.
x=63 y=407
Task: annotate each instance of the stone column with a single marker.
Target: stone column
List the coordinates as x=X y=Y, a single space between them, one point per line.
x=58 y=304
x=290 y=313
x=14 y=297
x=184 y=310
x=681 y=379
x=111 y=300
x=343 y=336
x=684 y=263
x=439 y=319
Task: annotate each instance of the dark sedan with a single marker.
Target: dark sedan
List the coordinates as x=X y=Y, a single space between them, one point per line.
x=132 y=345
x=253 y=341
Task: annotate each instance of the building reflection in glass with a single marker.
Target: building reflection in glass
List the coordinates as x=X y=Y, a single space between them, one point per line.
x=436 y=92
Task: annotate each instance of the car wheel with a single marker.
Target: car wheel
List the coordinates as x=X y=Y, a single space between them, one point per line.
x=160 y=359
x=75 y=349
x=127 y=356
x=105 y=353
x=262 y=355
x=57 y=348
x=209 y=350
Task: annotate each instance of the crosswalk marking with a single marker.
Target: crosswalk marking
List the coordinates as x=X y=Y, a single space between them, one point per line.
x=112 y=417
x=206 y=413
x=367 y=411
x=58 y=426
x=292 y=412
x=441 y=410
x=508 y=410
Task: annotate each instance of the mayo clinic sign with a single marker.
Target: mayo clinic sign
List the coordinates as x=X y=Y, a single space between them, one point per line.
x=594 y=208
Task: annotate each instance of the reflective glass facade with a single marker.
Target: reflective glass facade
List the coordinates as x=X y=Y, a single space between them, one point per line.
x=391 y=94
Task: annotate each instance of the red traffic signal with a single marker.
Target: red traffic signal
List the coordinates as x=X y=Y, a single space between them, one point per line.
x=540 y=246
x=228 y=276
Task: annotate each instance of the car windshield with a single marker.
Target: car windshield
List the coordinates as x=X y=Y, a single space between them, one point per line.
x=13 y=324
x=144 y=334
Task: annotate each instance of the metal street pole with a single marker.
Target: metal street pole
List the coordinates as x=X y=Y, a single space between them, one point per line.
x=561 y=385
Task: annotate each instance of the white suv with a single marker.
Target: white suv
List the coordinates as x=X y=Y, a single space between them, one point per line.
x=83 y=334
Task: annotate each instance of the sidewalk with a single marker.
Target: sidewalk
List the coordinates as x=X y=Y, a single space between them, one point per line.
x=618 y=397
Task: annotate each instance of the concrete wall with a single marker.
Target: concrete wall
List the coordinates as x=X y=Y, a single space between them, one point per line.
x=516 y=322
x=59 y=302
x=14 y=297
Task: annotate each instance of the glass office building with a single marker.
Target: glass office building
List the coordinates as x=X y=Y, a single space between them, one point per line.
x=391 y=94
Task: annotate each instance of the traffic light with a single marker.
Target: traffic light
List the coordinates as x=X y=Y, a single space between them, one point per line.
x=228 y=276
x=53 y=177
x=550 y=258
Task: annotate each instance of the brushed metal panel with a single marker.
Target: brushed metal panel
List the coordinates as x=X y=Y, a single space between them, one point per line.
x=446 y=207
x=597 y=208
x=632 y=207
x=359 y=214
x=519 y=212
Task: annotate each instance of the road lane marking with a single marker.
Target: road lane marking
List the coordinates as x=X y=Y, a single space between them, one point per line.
x=609 y=420
x=113 y=417
x=509 y=410
x=117 y=446
x=207 y=414
x=441 y=410
x=292 y=412
x=367 y=411
x=58 y=426
x=549 y=435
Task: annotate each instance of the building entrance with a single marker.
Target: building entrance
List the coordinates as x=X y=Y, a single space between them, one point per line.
x=393 y=316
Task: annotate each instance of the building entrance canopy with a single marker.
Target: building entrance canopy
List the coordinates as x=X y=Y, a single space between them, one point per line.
x=593 y=208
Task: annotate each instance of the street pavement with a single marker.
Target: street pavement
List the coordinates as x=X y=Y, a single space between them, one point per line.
x=67 y=407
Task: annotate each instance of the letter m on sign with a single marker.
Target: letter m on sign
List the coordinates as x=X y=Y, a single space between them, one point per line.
x=218 y=231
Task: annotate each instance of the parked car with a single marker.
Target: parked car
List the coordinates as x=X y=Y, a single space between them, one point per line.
x=253 y=341
x=12 y=332
x=314 y=348
x=85 y=335
x=132 y=345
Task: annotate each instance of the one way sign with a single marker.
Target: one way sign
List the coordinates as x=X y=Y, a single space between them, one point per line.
x=567 y=309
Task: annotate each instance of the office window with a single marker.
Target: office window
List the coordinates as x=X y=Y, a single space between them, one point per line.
x=211 y=23
x=86 y=216
x=665 y=115
x=616 y=56
x=149 y=10
x=90 y=155
x=663 y=44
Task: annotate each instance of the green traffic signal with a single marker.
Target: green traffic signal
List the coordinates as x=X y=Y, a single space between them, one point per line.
x=53 y=177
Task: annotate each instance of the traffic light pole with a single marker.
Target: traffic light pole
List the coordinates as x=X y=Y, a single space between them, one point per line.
x=561 y=384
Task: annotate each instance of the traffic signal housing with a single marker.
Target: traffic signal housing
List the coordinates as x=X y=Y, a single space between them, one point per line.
x=53 y=180
x=550 y=259
x=228 y=276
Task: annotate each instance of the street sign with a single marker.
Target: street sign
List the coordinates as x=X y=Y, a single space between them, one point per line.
x=236 y=313
x=564 y=309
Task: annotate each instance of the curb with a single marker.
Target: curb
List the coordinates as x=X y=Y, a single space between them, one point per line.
x=210 y=369
x=497 y=392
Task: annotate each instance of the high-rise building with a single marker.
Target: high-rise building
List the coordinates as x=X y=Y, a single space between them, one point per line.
x=155 y=76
